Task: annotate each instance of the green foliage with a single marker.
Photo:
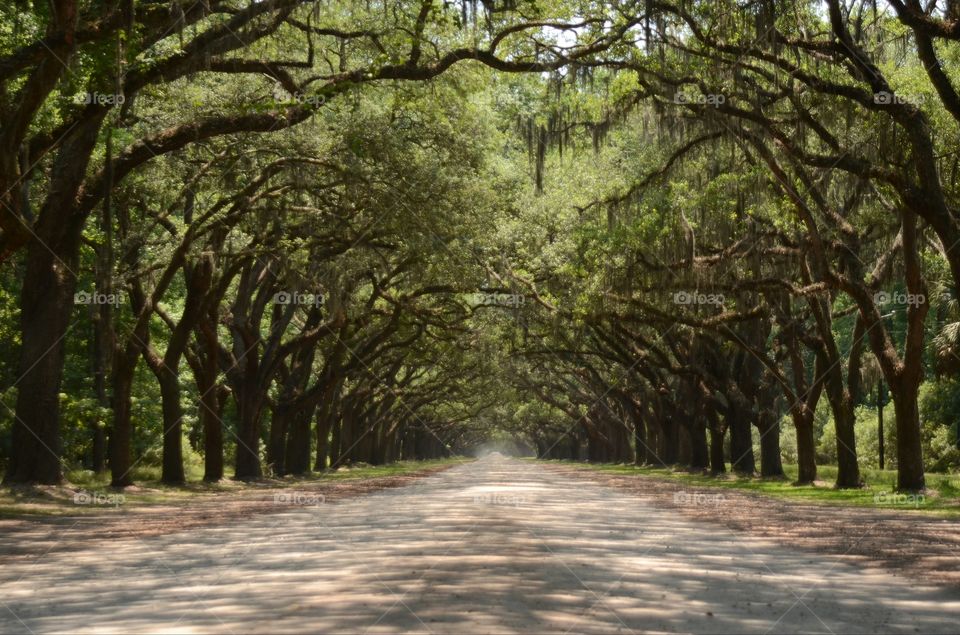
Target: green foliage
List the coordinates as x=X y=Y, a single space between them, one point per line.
x=150 y=461
x=939 y=403
x=587 y=188
x=940 y=415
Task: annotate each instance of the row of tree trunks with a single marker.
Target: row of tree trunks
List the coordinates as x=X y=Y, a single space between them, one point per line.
x=418 y=443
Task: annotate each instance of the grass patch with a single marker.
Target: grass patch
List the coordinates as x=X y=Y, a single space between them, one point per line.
x=942 y=497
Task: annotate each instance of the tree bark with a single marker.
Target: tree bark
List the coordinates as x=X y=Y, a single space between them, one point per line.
x=212 y=397
x=249 y=401
x=46 y=303
x=771 y=464
x=121 y=433
x=806 y=450
x=699 y=454
x=277 y=443
x=172 y=464
x=741 y=441
x=717 y=462
x=848 y=471
x=910 y=476
x=298 y=442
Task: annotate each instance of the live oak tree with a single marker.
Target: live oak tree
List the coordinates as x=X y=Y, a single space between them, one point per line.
x=345 y=232
x=81 y=84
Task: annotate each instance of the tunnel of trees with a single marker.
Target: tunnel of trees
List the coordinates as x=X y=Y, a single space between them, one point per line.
x=269 y=237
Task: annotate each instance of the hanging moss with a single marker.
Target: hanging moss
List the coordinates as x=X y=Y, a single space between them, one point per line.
x=599 y=133
x=541 y=156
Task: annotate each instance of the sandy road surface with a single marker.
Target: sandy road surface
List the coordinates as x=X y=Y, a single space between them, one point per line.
x=493 y=546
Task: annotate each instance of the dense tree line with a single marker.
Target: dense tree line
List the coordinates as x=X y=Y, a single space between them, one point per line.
x=289 y=235
x=163 y=137
x=789 y=219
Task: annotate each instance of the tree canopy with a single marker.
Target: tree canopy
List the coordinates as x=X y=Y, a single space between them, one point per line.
x=269 y=237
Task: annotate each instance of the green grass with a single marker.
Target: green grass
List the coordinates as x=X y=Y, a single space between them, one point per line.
x=942 y=497
x=149 y=491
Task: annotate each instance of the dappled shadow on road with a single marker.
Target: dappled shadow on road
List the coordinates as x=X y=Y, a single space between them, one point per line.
x=924 y=546
x=498 y=546
x=25 y=535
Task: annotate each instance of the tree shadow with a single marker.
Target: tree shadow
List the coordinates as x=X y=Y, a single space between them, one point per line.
x=495 y=546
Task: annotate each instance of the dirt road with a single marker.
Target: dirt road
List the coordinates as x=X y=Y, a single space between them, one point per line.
x=493 y=546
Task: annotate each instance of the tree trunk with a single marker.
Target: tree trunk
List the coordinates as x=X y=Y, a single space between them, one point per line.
x=699 y=454
x=335 y=442
x=880 y=440
x=848 y=472
x=390 y=446
x=684 y=454
x=124 y=366
x=212 y=399
x=323 y=442
x=211 y=417
x=364 y=435
x=576 y=445
x=298 y=442
x=640 y=454
x=379 y=454
x=46 y=304
x=906 y=413
x=248 y=431
x=172 y=470
x=654 y=432
x=771 y=464
x=619 y=434
x=806 y=450
x=741 y=441
x=121 y=434
x=717 y=461
x=103 y=343
x=347 y=428
x=905 y=410
x=167 y=368
x=671 y=440
x=277 y=444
